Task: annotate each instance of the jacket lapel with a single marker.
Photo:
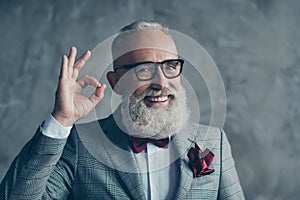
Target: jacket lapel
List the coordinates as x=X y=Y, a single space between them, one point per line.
x=109 y=145
x=123 y=159
x=181 y=144
x=128 y=170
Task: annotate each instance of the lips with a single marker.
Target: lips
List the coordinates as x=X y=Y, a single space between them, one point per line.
x=158 y=99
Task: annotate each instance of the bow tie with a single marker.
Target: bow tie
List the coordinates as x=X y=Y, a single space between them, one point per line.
x=139 y=144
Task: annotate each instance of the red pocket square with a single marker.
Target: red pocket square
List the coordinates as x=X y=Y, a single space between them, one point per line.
x=200 y=161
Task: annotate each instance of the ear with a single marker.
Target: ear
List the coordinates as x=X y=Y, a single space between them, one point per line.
x=113 y=78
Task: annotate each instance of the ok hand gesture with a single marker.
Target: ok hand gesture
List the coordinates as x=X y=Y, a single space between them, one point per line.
x=70 y=105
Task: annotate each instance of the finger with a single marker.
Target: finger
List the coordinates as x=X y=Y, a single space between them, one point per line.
x=88 y=80
x=72 y=56
x=80 y=63
x=64 y=67
x=100 y=91
x=98 y=95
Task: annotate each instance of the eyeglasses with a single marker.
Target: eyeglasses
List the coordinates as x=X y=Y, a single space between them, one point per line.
x=146 y=70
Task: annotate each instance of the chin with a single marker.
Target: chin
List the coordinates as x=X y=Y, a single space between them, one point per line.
x=156 y=114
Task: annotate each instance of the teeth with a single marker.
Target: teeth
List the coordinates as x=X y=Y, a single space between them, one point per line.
x=158 y=99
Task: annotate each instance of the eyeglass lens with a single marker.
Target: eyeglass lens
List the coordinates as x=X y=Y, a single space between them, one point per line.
x=171 y=69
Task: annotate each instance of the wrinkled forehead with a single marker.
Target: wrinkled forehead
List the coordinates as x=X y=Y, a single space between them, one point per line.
x=142 y=43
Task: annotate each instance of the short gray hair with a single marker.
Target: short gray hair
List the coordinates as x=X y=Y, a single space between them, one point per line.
x=144 y=25
x=139 y=25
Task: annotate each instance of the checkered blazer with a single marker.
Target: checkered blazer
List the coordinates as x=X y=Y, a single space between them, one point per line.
x=48 y=168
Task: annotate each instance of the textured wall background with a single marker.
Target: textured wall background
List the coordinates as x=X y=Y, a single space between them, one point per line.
x=255 y=44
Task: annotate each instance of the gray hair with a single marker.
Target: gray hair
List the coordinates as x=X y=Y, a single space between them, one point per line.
x=144 y=25
x=139 y=25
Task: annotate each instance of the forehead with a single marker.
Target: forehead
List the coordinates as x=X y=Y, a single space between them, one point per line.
x=141 y=55
x=146 y=45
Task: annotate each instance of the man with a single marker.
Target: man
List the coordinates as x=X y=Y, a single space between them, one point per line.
x=147 y=144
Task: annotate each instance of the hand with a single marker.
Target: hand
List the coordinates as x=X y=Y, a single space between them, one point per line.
x=70 y=105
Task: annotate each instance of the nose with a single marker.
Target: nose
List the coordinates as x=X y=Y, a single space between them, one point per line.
x=159 y=81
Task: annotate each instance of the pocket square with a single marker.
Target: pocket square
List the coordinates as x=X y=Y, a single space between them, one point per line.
x=200 y=161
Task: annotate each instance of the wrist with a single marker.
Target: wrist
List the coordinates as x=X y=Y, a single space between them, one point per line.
x=53 y=129
x=64 y=121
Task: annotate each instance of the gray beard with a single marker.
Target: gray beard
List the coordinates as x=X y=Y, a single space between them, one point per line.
x=156 y=123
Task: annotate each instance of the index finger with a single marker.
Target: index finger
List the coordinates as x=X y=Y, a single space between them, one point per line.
x=88 y=80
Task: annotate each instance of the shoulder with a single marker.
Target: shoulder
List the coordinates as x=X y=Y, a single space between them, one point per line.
x=202 y=132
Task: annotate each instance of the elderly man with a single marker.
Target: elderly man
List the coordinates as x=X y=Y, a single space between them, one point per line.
x=161 y=153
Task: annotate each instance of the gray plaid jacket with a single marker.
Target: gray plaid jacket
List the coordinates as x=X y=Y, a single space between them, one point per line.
x=48 y=168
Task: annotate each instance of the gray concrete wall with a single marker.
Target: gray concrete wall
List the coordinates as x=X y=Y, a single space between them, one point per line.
x=255 y=44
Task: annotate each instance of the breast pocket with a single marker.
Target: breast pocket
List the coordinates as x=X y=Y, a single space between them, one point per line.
x=208 y=182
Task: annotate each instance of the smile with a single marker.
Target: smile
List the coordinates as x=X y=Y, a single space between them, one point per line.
x=157 y=98
x=158 y=101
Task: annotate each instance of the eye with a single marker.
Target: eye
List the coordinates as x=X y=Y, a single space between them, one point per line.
x=171 y=66
x=144 y=69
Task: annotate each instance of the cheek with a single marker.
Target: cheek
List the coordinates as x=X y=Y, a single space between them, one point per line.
x=132 y=86
x=175 y=83
x=139 y=88
x=128 y=82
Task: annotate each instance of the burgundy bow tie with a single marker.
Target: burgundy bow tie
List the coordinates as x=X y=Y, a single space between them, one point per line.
x=139 y=144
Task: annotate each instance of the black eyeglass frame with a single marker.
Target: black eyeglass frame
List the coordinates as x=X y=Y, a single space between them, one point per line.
x=130 y=66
